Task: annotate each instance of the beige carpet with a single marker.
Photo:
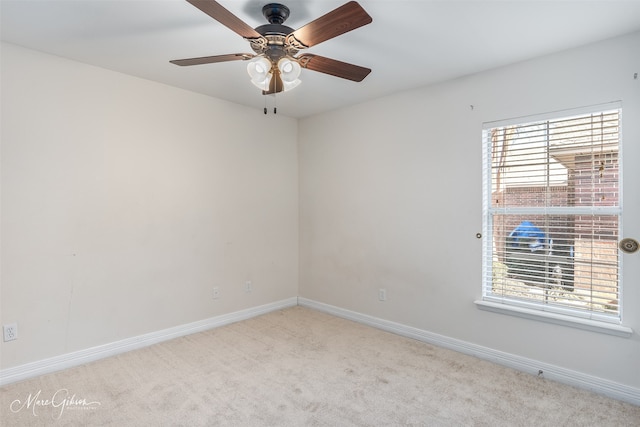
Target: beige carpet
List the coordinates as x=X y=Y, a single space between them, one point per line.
x=300 y=367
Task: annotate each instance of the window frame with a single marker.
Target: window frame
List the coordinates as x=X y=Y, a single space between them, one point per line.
x=583 y=319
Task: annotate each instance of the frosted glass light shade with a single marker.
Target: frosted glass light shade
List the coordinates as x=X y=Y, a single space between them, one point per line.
x=290 y=85
x=259 y=70
x=289 y=70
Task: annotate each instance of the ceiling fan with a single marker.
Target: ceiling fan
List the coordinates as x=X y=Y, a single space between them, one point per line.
x=274 y=66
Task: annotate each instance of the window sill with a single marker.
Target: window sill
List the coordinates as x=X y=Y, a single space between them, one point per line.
x=558 y=319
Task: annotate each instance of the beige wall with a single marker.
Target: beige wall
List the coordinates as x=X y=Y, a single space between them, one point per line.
x=391 y=197
x=124 y=202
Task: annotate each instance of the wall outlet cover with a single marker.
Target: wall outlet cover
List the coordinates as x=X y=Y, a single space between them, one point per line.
x=10 y=332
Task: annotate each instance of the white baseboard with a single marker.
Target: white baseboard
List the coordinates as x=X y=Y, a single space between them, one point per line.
x=552 y=372
x=77 y=358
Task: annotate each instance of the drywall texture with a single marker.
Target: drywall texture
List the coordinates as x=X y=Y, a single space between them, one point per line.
x=124 y=202
x=391 y=197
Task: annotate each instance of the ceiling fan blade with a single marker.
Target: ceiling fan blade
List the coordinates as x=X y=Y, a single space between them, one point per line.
x=226 y=18
x=213 y=59
x=333 y=67
x=347 y=17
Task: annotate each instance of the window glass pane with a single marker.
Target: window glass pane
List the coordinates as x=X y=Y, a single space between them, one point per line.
x=569 y=162
x=569 y=261
x=553 y=213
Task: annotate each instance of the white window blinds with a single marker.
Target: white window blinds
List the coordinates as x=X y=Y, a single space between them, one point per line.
x=552 y=214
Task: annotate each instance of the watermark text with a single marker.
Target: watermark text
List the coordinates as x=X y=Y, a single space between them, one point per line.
x=60 y=401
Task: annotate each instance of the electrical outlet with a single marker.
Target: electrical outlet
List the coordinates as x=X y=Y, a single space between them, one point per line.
x=10 y=332
x=216 y=292
x=382 y=294
x=248 y=286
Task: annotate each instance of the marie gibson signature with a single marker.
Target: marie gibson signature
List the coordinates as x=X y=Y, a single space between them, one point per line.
x=61 y=400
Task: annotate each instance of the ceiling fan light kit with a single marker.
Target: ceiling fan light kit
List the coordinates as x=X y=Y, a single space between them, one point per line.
x=274 y=66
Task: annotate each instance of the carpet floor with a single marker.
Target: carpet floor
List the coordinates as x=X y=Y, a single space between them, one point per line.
x=301 y=367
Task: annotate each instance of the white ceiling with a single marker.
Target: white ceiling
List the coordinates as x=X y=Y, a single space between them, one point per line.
x=409 y=44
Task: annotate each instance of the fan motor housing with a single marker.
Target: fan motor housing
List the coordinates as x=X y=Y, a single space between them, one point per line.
x=274 y=29
x=275 y=48
x=275 y=33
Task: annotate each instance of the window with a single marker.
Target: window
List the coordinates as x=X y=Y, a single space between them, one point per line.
x=552 y=214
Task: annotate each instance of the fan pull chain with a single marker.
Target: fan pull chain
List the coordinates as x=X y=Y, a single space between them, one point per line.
x=275 y=105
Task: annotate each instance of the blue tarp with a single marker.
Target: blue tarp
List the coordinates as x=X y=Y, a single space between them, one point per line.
x=527 y=234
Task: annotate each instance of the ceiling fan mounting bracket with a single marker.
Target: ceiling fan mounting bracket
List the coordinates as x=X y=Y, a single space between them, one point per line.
x=275 y=13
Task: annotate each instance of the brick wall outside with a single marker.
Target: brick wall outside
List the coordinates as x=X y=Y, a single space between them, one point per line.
x=593 y=182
